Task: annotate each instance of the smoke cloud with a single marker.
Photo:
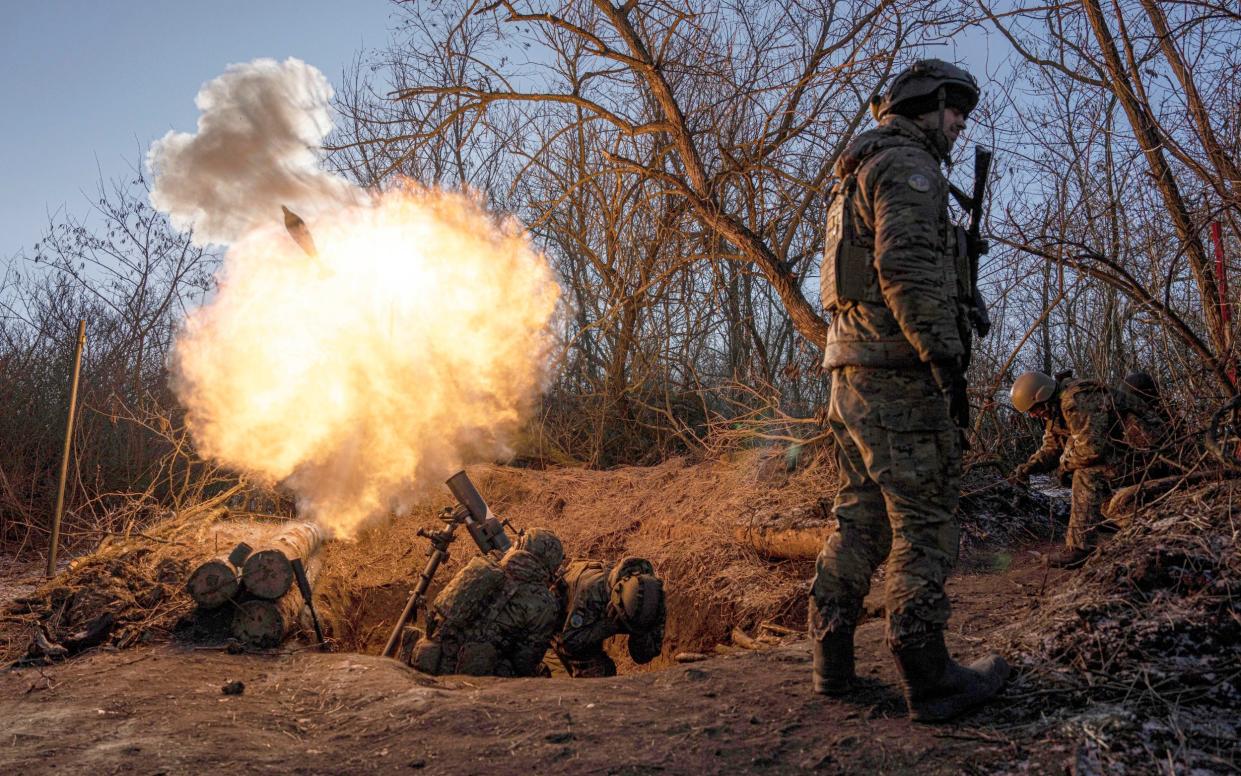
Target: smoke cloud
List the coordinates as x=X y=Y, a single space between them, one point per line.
x=257 y=148
x=414 y=343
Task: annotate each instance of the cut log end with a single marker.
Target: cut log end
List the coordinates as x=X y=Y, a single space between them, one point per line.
x=260 y=624
x=268 y=574
x=212 y=584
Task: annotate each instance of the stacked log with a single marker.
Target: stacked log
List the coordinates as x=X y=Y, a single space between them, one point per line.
x=263 y=623
x=217 y=581
x=268 y=572
x=260 y=584
x=795 y=535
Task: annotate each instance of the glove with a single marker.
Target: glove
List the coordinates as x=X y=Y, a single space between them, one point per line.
x=945 y=374
x=980 y=319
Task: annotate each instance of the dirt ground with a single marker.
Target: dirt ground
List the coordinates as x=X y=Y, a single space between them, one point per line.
x=161 y=709
x=1130 y=665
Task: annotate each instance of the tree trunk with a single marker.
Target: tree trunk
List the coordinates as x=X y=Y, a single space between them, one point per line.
x=268 y=572
x=1148 y=134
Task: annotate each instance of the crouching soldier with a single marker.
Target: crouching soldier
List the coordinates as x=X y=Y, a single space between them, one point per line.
x=1084 y=435
x=495 y=618
x=599 y=602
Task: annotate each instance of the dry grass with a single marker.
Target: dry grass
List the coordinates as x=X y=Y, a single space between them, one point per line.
x=1137 y=658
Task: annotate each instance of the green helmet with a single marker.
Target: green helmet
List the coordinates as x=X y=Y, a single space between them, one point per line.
x=917 y=90
x=637 y=595
x=544 y=545
x=1030 y=389
x=638 y=602
x=1140 y=385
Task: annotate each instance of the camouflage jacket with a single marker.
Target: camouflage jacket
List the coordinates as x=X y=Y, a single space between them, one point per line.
x=584 y=596
x=1084 y=430
x=525 y=617
x=515 y=624
x=900 y=206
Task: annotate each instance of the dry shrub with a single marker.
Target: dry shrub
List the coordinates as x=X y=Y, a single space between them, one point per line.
x=131 y=588
x=1143 y=646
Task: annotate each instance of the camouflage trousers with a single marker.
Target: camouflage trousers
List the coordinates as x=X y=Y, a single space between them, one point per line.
x=1092 y=487
x=900 y=468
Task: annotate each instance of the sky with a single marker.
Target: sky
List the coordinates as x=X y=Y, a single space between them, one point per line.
x=86 y=86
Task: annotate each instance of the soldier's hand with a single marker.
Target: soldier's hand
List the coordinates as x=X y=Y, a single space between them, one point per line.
x=945 y=374
x=1020 y=476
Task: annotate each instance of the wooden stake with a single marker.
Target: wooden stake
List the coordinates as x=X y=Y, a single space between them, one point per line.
x=64 y=458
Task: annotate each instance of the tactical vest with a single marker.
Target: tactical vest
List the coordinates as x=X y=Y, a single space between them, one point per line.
x=848 y=275
x=579 y=576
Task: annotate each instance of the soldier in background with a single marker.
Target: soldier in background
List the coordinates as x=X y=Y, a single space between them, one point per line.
x=496 y=618
x=897 y=284
x=1085 y=436
x=1148 y=426
x=599 y=602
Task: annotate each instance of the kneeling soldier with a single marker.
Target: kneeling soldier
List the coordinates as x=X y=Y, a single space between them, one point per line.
x=599 y=602
x=494 y=618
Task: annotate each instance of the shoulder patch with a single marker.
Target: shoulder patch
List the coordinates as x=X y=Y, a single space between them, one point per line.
x=919 y=182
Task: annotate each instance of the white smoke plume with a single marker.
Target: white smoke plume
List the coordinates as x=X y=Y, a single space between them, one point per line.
x=257 y=148
x=414 y=343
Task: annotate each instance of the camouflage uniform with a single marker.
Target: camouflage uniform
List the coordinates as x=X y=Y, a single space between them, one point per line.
x=1148 y=433
x=511 y=632
x=1085 y=437
x=585 y=594
x=897 y=448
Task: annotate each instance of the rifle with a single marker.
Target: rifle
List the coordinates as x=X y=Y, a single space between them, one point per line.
x=975 y=246
x=978 y=318
x=485 y=529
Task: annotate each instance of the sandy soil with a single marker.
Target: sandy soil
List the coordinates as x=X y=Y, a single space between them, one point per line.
x=162 y=710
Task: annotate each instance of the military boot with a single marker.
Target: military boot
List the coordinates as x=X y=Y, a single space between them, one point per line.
x=1070 y=557
x=937 y=688
x=833 y=663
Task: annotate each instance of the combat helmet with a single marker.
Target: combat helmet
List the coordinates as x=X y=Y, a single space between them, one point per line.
x=1140 y=385
x=926 y=85
x=1030 y=389
x=544 y=545
x=637 y=595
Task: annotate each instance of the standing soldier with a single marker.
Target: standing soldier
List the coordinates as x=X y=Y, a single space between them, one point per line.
x=898 y=288
x=1084 y=435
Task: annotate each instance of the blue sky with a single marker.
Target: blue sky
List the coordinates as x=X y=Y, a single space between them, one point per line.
x=86 y=86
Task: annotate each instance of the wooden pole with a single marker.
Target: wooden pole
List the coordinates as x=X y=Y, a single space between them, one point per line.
x=64 y=458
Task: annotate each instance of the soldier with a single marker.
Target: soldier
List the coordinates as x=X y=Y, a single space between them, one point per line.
x=1085 y=436
x=899 y=291
x=1146 y=420
x=494 y=618
x=599 y=602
